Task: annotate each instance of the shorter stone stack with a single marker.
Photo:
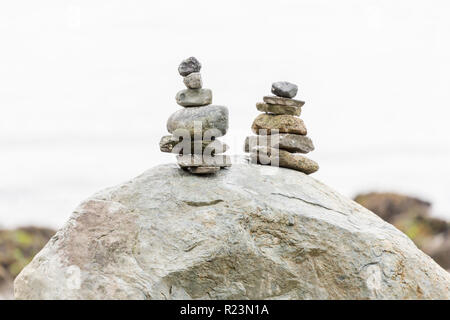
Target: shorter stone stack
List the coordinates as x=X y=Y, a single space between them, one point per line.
x=281 y=112
x=194 y=128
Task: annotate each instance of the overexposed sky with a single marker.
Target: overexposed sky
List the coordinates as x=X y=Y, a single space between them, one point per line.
x=86 y=88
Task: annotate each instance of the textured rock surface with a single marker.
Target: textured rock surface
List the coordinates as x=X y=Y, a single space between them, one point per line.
x=168 y=143
x=189 y=66
x=283 y=101
x=284 y=89
x=194 y=97
x=283 y=123
x=193 y=81
x=295 y=161
x=211 y=117
x=285 y=141
x=245 y=233
x=278 y=109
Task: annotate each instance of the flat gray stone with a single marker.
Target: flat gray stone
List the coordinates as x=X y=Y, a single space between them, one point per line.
x=197 y=160
x=170 y=144
x=193 y=81
x=243 y=233
x=278 y=109
x=283 y=101
x=194 y=97
x=189 y=66
x=285 y=141
x=284 y=89
x=203 y=170
x=212 y=118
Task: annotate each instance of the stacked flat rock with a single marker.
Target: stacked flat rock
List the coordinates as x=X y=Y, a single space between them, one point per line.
x=281 y=113
x=194 y=128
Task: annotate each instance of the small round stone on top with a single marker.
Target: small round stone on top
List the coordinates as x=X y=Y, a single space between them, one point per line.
x=189 y=66
x=284 y=89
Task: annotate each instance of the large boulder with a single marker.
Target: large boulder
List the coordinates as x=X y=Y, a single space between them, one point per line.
x=248 y=232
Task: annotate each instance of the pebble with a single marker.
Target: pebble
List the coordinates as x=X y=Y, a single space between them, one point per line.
x=189 y=66
x=283 y=123
x=194 y=97
x=278 y=109
x=193 y=81
x=283 y=101
x=284 y=89
x=286 y=141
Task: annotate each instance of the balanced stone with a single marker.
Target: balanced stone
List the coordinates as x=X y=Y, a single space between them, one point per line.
x=282 y=123
x=264 y=155
x=278 y=109
x=189 y=66
x=168 y=143
x=198 y=160
x=203 y=170
x=283 y=101
x=284 y=89
x=194 y=97
x=212 y=119
x=193 y=80
x=286 y=141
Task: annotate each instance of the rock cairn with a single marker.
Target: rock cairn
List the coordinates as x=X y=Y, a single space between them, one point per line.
x=281 y=112
x=194 y=128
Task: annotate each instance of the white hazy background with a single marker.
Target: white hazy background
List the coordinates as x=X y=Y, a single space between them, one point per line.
x=86 y=88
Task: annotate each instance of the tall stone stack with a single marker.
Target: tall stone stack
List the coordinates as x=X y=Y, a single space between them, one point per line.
x=194 y=128
x=281 y=112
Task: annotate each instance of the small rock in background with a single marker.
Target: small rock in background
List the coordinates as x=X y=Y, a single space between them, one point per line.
x=193 y=80
x=412 y=216
x=17 y=248
x=284 y=89
x=189 y=66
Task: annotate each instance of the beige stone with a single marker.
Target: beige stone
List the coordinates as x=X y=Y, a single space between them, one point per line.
x=282 y=123
x=243 y=233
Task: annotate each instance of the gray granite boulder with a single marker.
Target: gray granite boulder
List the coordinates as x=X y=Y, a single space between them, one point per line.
x=247 y=232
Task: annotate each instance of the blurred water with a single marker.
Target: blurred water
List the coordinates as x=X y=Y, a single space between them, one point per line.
x=43 y=182
x=87 y=86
